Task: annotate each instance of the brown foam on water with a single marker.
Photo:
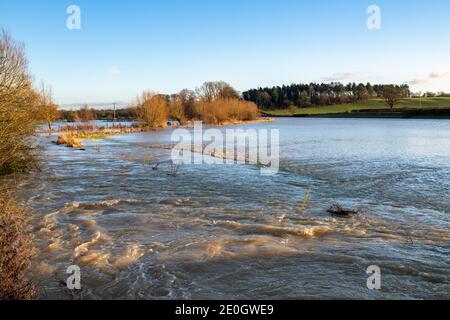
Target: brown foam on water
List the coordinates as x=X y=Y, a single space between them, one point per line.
x=131 y=255
x=43 y=269
x=261 y=240
x=313 y=231
x=49 y=222
x=55 y=244
x=95 y=258
x=230 y=248
x=83 y=248
x=84 y=241
x=103 y=204
x=90 y=225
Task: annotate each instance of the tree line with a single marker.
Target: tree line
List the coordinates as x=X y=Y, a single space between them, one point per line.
x=213 y=103
x=315 y=94
x=86 y=113
x=218 y=102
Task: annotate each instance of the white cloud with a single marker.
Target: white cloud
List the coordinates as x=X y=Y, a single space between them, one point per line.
x=342 y=76
x=115 y=71
x=419 y=81
x=442 y=73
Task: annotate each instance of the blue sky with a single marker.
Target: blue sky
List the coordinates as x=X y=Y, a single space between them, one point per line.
x=125 y=47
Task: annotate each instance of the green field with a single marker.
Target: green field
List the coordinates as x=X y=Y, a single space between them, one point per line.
x=432 y=103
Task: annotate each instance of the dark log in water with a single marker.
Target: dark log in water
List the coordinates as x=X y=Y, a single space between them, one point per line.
x=337 y=210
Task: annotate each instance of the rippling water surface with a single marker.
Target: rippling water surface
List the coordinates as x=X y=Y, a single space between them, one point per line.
x=227 y=232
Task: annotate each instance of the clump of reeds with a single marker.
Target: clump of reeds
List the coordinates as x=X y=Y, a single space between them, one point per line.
x=69 y=140
x=16 y=251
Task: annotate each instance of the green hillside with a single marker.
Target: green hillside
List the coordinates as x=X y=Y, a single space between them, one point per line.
x=432 y=103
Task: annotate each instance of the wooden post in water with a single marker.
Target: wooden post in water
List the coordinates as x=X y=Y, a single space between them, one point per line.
x=114 y=117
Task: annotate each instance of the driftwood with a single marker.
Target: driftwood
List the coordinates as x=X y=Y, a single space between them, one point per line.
x=337 y=210
x=156 y=167
x=173 y=170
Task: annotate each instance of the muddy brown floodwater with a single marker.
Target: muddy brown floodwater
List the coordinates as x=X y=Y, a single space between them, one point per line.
x=227 y=232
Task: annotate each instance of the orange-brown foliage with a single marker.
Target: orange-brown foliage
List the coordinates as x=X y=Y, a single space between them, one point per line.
x=220 y=111
x=152 y=109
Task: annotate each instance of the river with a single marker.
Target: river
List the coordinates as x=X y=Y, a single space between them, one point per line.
x=228 y=232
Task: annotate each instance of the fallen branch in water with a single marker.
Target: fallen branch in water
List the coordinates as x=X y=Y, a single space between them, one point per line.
x=173 y=170
x=337 y=210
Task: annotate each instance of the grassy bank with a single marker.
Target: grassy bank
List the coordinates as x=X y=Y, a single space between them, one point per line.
x=427 y=103
x=73 y=136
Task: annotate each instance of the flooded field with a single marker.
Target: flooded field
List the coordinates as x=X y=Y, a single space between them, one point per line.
x=226 y=231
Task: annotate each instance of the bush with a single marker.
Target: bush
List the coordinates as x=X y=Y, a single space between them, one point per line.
x=220 y=111
x=16 y=251
x=152 y=109
x=17 y=101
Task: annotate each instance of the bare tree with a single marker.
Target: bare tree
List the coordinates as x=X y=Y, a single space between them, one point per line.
x=187 y=98
x=176 y=108
x=392 y=95
x=47 y=109
x=226 y=91
x=210 y=91
x=207 y=92
x=17 y=101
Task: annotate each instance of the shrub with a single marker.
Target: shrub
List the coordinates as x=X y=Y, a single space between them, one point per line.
x=152 y=109
x=16 y=251
x=69 y=140
x=220 y=111
x=17 y=105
